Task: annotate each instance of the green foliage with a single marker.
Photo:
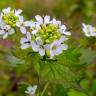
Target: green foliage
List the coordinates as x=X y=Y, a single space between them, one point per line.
x=85 y=58
x=70 y=74
x=60 y=90
x=76 y=93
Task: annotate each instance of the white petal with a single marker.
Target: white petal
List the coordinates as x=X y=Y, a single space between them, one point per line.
x=41 y=51
x=7 y=27
x=57 y=51
x=39 y=41
x=38 y=26
x=62 y=39
x=7 y=10
x=11 y=31
x=31 y=90
x=17 y=12
x=18 y=24
x=66 y=33
x=35 y=47
x=28 y=36
x=47 y=19
x=39 y=18
x=2 y=32
x=83 y=24
x=0 y=19
x=2 y=25
x=23 y=40
x=5 y=35
x=54 y=21
x=35 y=87
x=59 y=23
x=21 y=19
x=63 y=27
x=88 y=35
x=60 y=49
x=63 y=47
x=29 y=23
x=23 y=30
x=34 y=31
x=25 y=46
x=55 y=43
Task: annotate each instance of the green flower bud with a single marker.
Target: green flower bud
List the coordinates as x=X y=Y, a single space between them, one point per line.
x=47 y=41
x=48 y=53
x=44 y=36
x=95 y=29
x=49 y=30
x=10 y=19
x=55 y=37
x=41 y=31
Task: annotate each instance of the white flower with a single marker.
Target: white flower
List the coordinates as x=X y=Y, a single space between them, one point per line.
x=6 y=10
x=37 y=46
x=40 y=20
x=6 y=30
x=23 y=25
x=29 y=24
x=17 y=12
x=37 y=27
x=31 y=90
x=26 y=42
x=20 y=24
x=89 y=30
x=56 y=22
x=63 y=30
x=56 y=47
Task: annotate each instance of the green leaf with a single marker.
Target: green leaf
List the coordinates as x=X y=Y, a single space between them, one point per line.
x=14 y=60
x=60 y=90
x=75 y=93
x=57 y=73
x=85 y=84
x=87 y=56
x=94 y=87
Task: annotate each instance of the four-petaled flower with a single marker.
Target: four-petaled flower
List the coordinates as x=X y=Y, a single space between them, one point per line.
x=26 y=42
x=6 y=30
x=31 y=90
x=56 y=47
x=89 y=30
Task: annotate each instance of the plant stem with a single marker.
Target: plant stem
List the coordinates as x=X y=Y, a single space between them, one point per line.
x=45 y=87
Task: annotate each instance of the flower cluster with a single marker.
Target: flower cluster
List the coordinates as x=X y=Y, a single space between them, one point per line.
x=31 y=90
x=8 y=20
x=89 y=30
x=46 y=36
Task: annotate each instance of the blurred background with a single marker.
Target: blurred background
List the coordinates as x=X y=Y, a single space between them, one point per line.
x=71 y=12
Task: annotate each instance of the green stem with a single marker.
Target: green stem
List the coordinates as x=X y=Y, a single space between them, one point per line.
x=45 y=87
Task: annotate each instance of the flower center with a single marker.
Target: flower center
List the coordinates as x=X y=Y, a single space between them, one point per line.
x=10 y=19
x=49 y=33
